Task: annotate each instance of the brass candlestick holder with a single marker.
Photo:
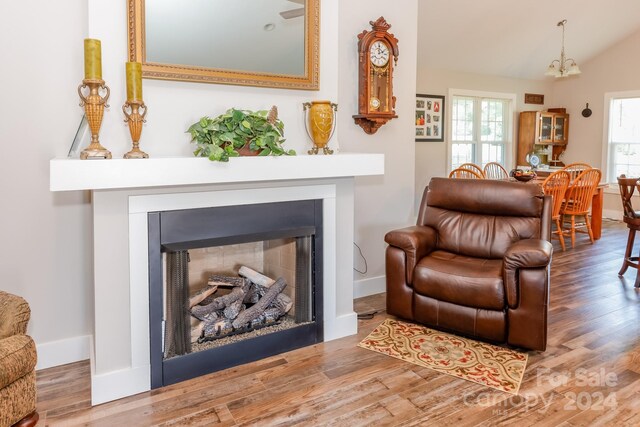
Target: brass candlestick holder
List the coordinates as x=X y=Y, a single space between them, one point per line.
x=94 y=104
x=135 y=119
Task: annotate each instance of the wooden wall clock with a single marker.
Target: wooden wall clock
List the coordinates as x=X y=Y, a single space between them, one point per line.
x=376 y=103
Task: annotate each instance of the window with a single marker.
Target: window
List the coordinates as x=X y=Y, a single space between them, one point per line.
x=480 y=128
x=623 y=139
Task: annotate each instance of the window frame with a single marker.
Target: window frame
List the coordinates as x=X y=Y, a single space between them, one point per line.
x=609 y=97
x=509 y=131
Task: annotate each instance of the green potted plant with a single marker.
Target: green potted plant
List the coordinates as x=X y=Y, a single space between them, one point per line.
x=239 y=132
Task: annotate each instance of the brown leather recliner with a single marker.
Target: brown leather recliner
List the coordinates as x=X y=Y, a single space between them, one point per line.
x=477 y=262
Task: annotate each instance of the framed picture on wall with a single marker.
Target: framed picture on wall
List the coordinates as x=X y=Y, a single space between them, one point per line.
x=429 y=120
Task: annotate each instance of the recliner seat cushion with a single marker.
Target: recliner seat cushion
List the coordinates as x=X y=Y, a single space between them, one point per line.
x=462 y=280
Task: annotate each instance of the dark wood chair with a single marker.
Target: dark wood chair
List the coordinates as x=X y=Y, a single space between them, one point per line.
x=632 y=219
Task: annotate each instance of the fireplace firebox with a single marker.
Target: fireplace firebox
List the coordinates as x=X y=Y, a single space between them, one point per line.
x=233 y=284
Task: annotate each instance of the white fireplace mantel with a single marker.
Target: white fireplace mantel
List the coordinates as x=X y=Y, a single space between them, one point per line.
x=75 y=174
x=124 y=191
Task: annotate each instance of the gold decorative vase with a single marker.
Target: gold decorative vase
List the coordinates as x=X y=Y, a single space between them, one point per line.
x=94 y=104
x=320 y=124
x=135 y=112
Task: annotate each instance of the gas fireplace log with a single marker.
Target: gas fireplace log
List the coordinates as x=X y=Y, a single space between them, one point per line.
x=258 y=308
x=255 y=277
x=255 y=293
x=199 y=296
x=196 y=331
x=200 y=311
x=233 y=309
x=219 y=280
x=270 y=315
x=197 y=325
x=282 y=303
x=217 y=327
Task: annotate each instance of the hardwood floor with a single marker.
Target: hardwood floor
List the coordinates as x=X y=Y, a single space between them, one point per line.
x=589 y=375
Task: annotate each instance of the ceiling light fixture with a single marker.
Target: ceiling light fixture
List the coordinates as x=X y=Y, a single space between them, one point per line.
x=558 y=67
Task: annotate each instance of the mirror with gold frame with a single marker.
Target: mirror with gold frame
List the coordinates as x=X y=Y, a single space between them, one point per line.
x=269 y=43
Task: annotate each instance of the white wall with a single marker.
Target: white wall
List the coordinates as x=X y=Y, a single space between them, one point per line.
x=382 y=203
x=45 y=251
x=174 y=106
x=617 y=69
x=431 y=157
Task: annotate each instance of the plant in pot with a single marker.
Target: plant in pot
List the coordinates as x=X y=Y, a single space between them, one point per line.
x=239 y=132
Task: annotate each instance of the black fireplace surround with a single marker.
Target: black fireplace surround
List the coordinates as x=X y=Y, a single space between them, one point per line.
x=179 y=230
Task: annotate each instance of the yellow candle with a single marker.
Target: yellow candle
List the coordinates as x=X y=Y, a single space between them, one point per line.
x=92 y=59
x=134 y=81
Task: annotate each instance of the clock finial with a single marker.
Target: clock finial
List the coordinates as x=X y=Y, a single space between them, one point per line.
x=380 y=24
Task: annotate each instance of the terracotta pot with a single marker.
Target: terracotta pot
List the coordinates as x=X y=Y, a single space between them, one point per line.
x=246 y=151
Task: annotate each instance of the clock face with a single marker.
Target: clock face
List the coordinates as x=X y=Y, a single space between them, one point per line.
x=379 y=54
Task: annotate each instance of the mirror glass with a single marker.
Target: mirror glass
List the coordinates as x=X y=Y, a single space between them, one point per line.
x=251 y=42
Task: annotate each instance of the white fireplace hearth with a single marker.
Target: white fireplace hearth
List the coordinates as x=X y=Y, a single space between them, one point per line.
x=125 y=191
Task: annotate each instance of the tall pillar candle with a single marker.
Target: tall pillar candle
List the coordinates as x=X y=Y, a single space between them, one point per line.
x=134 y=81
x=92 y=59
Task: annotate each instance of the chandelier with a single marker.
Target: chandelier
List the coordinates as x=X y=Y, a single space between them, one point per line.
x=559 y=67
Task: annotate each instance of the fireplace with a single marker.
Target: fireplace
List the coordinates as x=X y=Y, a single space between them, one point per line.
x=123 y=193
x=232 y=284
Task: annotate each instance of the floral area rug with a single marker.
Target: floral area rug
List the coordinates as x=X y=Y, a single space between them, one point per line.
x=496 y=367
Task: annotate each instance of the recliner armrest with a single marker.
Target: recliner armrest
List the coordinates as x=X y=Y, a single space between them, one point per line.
x=527 y=253
x=416 y=241
x=17 y=358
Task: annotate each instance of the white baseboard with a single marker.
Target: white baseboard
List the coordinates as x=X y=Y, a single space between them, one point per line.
x=371 y=286
x=341 y=326
x=117 y=384
x=61 y=352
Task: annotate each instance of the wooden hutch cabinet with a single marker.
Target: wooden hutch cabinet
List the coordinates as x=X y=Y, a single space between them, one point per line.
x=545 y=133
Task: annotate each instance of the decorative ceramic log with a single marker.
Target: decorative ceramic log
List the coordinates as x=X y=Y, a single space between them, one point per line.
x=200 y=311
x=283 y=303
x=255 y=277
x=233 y=309
x=257 y=309
x=255 y=293
x=217 y=327
x=270 y=315
x=199 y=296
x=196 y=331
x=219 y=280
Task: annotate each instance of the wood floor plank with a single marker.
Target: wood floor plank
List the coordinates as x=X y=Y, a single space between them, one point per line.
x=594 y=328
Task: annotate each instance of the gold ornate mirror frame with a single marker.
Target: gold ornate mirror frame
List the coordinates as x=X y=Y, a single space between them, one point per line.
x=308 y=81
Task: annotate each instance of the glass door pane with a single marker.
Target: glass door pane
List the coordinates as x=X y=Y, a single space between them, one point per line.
x=546 y=127
x=559 y=129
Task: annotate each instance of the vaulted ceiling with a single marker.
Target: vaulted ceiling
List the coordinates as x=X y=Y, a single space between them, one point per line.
x=516 y=38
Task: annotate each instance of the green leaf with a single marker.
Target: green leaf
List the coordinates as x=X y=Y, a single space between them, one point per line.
x=246 y=124
x=265 y=152
x=238 y=115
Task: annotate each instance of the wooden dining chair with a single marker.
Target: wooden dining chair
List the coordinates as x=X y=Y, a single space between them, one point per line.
x=578 y=202
x=494 y=170
x=556 y=186
x=465 y=174
x=576 y=169
x=472 y=167
x=632 y=219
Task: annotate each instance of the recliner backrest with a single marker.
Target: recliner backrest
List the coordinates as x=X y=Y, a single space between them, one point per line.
x=483 y=218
